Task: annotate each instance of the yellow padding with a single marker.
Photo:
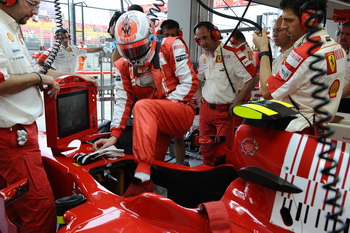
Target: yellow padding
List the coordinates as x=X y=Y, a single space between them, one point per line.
x=283 y=103
x=60 y=220
x=245 y=112
x=261 y=109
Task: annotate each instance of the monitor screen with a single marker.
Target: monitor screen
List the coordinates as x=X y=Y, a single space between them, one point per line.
x=72 y=113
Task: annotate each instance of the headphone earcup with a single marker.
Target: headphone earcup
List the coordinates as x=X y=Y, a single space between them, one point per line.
x=159 y=32
x=197 y=41
x=179 y=33
x=215 y=33
x=305 y=16
x=233 y=40
x=10 y=2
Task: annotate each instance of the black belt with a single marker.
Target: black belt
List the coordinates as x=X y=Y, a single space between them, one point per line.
x=220 y=107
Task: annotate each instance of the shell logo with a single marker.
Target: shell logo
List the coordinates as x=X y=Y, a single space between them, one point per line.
x=334 y=88
x=10 y=37
x=127 y=30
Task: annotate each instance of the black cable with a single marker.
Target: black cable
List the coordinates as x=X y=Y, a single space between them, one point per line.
x=240 y=19
x=228 y=77
x=237 y=15
x=156 y=9
x=50 y=59
x=239 y=22
x=229 y=16
x=17 y=224
x=328 y=131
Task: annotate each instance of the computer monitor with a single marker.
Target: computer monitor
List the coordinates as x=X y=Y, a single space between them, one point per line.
x=72 y=115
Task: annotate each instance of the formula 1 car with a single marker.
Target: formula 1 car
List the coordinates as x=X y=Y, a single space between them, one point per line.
x=274 y=183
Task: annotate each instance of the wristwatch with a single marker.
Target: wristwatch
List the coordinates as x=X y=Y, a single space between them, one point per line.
x=263 y=54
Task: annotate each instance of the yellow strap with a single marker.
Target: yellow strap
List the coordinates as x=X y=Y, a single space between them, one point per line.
x=261 y=109
x=283 y=103
x=245 y=112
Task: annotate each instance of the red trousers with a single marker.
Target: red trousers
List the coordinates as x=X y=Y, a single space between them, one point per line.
x=156 y=123
x=35 y=210
x=214 y=122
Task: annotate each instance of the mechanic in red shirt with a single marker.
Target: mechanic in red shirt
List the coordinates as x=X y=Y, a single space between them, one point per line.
x=157 y=84
x=171 y=28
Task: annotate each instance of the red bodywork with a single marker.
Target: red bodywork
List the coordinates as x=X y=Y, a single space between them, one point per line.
x=255 y=202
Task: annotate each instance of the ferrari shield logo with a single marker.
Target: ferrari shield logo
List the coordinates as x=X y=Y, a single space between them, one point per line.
x=250 y=55
x=218 y=59
x=331 y=63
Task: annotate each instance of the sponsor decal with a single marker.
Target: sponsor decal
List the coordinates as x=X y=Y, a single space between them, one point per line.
x=181 y=57
x=250 y=55
x=339 y=54
x=285 y=73
x=218 y=59
x=249 y=146
x=10 y=37
x=331 y=63
x=284 y=60
x=17 y=58
x=246 y=62
x=294 y=59
x=180 y=46
x=204 y=60
x=334 y=88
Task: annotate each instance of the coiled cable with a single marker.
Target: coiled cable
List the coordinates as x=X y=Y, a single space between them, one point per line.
x=49 y=60
x=329 y=171
x=156 y=9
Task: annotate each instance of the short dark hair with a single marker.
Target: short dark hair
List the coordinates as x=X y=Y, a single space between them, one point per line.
x=112 y=22
x=61 y=31
x=239 y=35
x=135 y=7
x=299 y=6
x=206 y=24
x=169 y=24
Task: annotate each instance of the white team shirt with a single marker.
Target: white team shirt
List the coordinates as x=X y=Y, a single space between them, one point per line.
x=217 y=88
x=277 y=63
x=294 y=79
x=66 y=59
x=26 y=106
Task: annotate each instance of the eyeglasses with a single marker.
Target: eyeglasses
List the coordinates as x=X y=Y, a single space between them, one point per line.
x=33 y=4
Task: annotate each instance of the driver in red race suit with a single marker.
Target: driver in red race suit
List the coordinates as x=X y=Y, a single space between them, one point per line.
x=157 y=84
x=292 y=83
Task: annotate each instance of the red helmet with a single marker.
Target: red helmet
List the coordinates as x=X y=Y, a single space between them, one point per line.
x=134 y=37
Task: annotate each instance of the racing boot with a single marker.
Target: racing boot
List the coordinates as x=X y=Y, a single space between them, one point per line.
x=137 y=187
